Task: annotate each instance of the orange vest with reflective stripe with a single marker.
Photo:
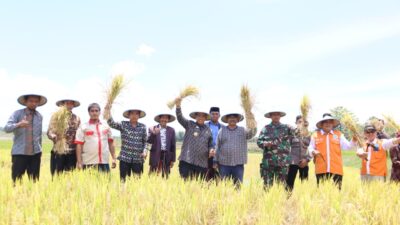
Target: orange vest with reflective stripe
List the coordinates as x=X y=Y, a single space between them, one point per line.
x=376 y=165
x=330 y=160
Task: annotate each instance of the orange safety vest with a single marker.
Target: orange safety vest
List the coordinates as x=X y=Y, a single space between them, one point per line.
x=376 y=164
x=330 y=160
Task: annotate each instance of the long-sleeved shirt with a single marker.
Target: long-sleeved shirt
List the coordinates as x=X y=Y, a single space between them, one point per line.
x=344 y=144
x=299 y=149
x=215 y=127
x=197 y=141
x=70 y=134
x=20 y=134
x=134 y=140
x=279 y=135
x=232 y=145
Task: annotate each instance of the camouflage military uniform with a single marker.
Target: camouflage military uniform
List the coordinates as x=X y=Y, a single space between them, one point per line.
x=276 y=159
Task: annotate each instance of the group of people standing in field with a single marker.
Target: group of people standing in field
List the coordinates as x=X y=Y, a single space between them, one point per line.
x=209 y=149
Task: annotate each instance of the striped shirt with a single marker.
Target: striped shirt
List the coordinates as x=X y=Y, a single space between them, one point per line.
x=95 y=138
x=134 y=140
x=232 y=145
x=33 y=134
x=197 y=141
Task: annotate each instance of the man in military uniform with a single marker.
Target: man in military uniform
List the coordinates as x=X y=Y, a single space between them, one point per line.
x=274 y=139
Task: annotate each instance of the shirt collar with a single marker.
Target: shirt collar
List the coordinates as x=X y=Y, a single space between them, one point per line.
x=27 y=111
x=323 y=132
x=92 y=122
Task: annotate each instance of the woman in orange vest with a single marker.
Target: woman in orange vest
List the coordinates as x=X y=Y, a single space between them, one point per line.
x=326 y=147
x=374 y=155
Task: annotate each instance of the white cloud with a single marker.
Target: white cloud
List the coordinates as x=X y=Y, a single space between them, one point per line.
x=145 y=50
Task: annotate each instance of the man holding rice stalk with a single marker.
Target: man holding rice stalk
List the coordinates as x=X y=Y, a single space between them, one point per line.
x=231 y=149
x=62 y=131
x=26 y=124
x=163 y=145
x=133 y=146
x=274 y=139
x=326 y=147
x=299 y=155
x=373 y=155
x=197 y=145
x=299 y=145
x=94 y=143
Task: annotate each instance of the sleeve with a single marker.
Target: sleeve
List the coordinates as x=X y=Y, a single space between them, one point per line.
x=80 y=136
x=109 y=136
x=50 y=130
x=387 y=144
x=113 y=124
x=144 y=139
x=261 y=138
x=311 y=147
x=304 y=148
x=12 y=123
x=151 y=137
x=173 y=146
x=345 y=144
x=181 y=119
x=360 y=150
x=218 y=146
x=210 y=141
x=393 y=155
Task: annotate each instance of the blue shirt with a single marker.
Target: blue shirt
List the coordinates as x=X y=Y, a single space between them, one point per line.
x=214 y=130
x=19 y=143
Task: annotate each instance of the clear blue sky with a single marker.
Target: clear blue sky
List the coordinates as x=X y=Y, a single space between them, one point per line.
x=338 y=52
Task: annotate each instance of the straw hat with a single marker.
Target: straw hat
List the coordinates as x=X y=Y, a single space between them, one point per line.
x=22 y=99
x=171 y=117
x=127 y=112
x=336 y=122
x=62 y=102
x=194 y=114
x=237 y=115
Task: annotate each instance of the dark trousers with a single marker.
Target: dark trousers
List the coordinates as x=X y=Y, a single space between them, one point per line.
x=104 y=168
x=292 y=174
x=190 y=171
x=163 y=166
x=337 y=179
x=62 y=163
x=26 y=163
x=126 y=169
x=232 y=172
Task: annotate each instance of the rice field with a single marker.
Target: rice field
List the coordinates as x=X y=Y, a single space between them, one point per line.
x=90 y=198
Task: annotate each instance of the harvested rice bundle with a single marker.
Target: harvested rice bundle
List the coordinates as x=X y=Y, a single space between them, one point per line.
x=348 y=122
x=247 y=103
x=391 y=123
x=186 y=92
x=59 y=121
x=118 y=84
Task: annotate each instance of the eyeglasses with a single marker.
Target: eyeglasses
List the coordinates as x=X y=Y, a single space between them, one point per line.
x=94 y=110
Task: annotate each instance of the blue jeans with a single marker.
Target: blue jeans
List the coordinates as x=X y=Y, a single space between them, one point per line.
x=232 y=172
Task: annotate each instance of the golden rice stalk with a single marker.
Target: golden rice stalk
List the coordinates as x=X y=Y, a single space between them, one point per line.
x=118 y=84
x=186 y=92
x=391 y=123
x=60 y=120
x=305 y=107
x=247 y=103
x=347 y=121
